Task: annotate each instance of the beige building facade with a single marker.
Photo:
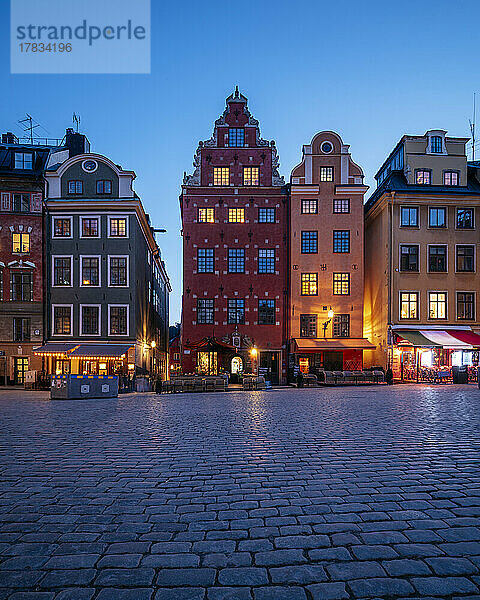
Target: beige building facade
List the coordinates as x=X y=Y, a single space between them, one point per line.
x=421 y=251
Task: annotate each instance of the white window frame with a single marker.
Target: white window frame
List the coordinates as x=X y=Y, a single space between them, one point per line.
x=128 y=270
x=400 y=257
x=419 y=304
x=128 y=320
x=474 y=258
x=417 y=226
x=62 y=237
x=71 y=320
x=54 y=256
x=428 y=261
x=80 y=325
x=80 y=227
x=127 y=228
x=82 y=256
x=474 y=305
x=472 y=208
x=445 y=208
x=446 y=305
x=23 y=154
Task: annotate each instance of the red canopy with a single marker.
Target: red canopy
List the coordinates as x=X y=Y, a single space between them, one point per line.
x=211 y=343
x=469 y=337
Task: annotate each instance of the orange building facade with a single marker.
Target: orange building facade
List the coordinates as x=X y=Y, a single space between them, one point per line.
x=326 y=259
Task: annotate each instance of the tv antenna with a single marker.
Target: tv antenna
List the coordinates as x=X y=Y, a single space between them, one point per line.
x=29 y=125
x=472 y=126
x=76 y=119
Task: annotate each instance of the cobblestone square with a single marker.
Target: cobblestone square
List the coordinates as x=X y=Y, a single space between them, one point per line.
x=314 y=494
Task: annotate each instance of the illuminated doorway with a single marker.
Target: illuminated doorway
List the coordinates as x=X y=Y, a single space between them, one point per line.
x=207 y=363
x=237 y=365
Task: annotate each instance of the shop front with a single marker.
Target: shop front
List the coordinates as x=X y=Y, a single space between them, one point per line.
x=434 y=355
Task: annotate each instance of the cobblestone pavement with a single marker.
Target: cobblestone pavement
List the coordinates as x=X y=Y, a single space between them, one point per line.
x=279 y=495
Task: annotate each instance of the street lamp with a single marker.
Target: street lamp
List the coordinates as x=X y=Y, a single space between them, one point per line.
x=326 y=323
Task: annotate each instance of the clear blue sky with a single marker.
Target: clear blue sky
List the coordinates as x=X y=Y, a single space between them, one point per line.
x=370 y=70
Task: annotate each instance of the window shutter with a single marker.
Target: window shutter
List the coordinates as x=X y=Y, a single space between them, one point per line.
x=36 y=203
x=5 y=201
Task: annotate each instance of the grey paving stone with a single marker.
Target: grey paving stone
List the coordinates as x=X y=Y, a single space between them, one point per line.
x=444 y=586
x=122 y=594
x=405 y=566
x=139 y=576
x=279 y=593
x=32 y=596
x=125 y=561
x=298 y=574
x=279 y=557
x=328 y=591
x=447 y=565
x=354 y=570
x=378 y=587
x=366 y=552
x=244 y=576
x=67 y=577
x=180 y=594
x=171 y=560
x=69 y=561
x=227 y=593
x=186 y=577
x=76 y=594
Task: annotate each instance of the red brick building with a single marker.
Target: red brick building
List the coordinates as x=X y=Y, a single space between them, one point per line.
x=234 y=214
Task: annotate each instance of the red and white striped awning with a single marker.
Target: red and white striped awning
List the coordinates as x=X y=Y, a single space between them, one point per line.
x=453 y=339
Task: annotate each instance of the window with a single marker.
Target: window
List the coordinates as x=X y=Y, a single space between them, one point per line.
x=21 y=243
x=75 y=187
x=104 y=186
x=308 y=326
x=309 y=242
x=465 y=259
x=89 y=227
x=236 y=215
x=341 y=206
x=62 y=320
x=62 y=227
x=423 y=176
x=118 y=269
x=23 y=160
x=236 y=137
x=437 y=217
x=450 y=178
x=21 y=330
x=21 y=288
x=437 y=259
x=205 y=311
x=341 y=326
x=341 y=284
x=62 y=270
x=206 y=215
x=236 y=311
x=89 y=270
x=251 y=176
x=90 y=319
x=118 y=319
x=436 y=145
x=341 y=241
x=409 y=258
x=266 y=312
x=409 y=305
x=205 y=260
x=309 y=284
x=409 y=216
x=221 y=176
x=21 y=202
x=309 y=207
x=465 y=218
x=326 y=173
x=236 y=260
x=266 y=215
x=118 y=227
x=437 y=305
x=465 y=305
x=266 y=260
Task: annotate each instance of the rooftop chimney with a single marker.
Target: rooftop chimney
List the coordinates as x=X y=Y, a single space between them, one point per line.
x=76 y=143
x=9 y=138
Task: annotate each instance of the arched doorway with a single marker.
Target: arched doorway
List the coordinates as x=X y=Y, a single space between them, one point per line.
x=237 y=365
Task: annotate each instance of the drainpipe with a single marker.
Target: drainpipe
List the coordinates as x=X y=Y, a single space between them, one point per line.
x=390 y=270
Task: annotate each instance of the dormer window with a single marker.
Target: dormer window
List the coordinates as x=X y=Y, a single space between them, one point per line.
x=450 y=178
x=23 y=160
x=236 y=137
x=436 y=144
x=423 y=177
x=75 y=187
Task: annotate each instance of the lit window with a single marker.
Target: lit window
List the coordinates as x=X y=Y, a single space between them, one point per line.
x=341 y=206
x=422 y=177
x=437 y=259
x=75 y=187
x=436 y=144
x=309 y=284
x=236 y=215
x=118 y=320
x=308 y=326
x=266 y=260
x=465 y=259
x=236 y=260
x=89 y=227
x=450 y=178
x=236 y=311
x=62 y=270
x=90 y=320
x=309 y=207
x=205 y=311
x=236 y=137
x=266 y=312
x=221 y=176
x=206 y=215
x=309 y=242
x=118 y=227
x=341 y=284
x=409 y=305
x=465 y=305
x=62 y=320
x=205 y=260
x=341 y=241
x=437 y=217
x=465 y=218
x=409 y=258
x=21 y=202
x=118 y=270
x=266 y=215
x=62 y=227
x=341 y=326
x=326 y=173
x=251 y=176
x=90 y=270
x=437 y=305
x=21 y=243
x=409 y=216
x=23 y=160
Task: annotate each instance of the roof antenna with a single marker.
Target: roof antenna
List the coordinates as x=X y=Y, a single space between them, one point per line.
x=76 y=119
x=236 y=91
x=29 y=125
x=472 y=127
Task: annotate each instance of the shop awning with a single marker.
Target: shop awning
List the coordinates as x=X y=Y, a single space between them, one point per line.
x=53 y=348
x=453 y=339
x=209 y=344
x=309 y=345
x=99 y=351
